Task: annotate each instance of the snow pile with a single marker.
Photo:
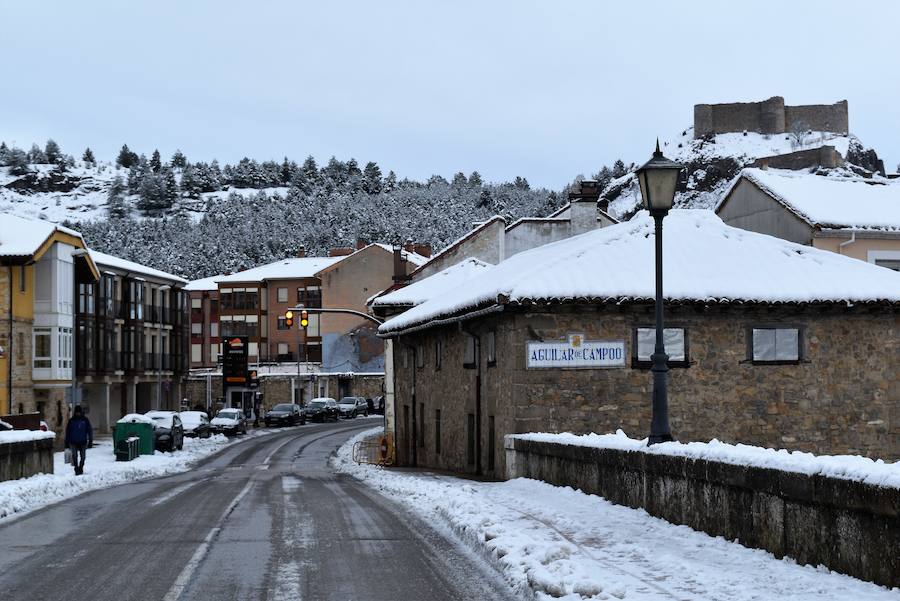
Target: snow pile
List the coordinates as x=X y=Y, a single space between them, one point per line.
x=558 y=543
x=101 y=470
x=135 y=418
x=832 y=202
x=705 y=261
x=24 y=435
x=847 y=467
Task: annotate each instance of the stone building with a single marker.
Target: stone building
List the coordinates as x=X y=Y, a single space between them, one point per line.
x=771 y=343
x=131 y=340
x=770 y=116
x=39 y=263
x=856 y=217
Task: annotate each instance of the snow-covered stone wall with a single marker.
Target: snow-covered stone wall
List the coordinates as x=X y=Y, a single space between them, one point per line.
x=24 y=453
x=848 y=525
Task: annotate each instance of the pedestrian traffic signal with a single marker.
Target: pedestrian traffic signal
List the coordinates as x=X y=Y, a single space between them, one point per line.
x=304 y=318
x=289 y=318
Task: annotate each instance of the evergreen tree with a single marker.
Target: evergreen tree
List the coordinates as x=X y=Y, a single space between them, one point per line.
x=475 y=180
x=155 y=162
x=88 y=156
x=178 y=160
x=52 y=151
x=115 y=200
x=310 y=169
x=288 y=169
x=36 y=156
x=126 y=158
x=460 y=181
x=521 y=183
x=17 y=161
x=390 y=182
x=618 y=169
x=4 y=154
x=372 y=178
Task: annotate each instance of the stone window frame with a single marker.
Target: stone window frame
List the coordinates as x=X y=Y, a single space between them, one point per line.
x=801 y=343
x=419 y=356
x=471 y=348
x=491 y=344
x=636 y=364
x=438 y=353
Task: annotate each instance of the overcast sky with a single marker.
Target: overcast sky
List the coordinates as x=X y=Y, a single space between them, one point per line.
x=546 y=90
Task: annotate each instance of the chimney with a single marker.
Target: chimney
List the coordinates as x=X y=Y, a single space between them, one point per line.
x=423 y=249
x=361 y=244
x=586 y=190
x=409 y=246
x=399 y=266
x=341 y=251
x=301 y=252
x=583 y=200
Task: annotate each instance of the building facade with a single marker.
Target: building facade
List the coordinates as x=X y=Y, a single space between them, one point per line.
x=131 y=340
x=206 y=343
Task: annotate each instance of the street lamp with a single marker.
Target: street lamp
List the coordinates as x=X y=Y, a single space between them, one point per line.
x=159 y=349
x=658 y=178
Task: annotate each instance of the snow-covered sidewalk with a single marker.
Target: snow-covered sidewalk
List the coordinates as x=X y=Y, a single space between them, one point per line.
x=101 y=470
x=553 y=542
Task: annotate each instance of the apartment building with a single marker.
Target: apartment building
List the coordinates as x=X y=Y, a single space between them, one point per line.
x=39 y=264
x=130 y=340
x=206 y=343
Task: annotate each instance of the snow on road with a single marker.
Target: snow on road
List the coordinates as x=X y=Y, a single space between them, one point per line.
x=559 y=543
x=101 y=470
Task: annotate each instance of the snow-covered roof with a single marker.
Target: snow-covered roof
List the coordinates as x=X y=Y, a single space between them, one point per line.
x=23 y=237
x=286 y=269
x=105 y=260
x=204 y=283
x=830 y=202
x=705 y=261
x=414 y=258
x=433 y=286
x=470 y=234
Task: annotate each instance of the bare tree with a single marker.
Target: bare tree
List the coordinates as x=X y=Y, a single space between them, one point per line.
x=799 y=132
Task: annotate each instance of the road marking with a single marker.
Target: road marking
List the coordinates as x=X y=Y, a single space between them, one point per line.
x=275 y=450
x=174 y=493
x=185 y=576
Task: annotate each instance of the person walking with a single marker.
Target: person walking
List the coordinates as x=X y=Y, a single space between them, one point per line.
x=79 y=436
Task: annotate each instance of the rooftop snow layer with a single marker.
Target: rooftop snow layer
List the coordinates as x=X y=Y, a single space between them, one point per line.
x=103 y=259
x=414 y=258
x=705 y=261
x=204 y=283
x=832 y=202
x=286 y=269
x=435 y=285
x=23 y=237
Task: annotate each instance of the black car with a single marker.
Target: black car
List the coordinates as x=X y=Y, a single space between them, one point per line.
x=285 y=414
x=322 y=409
x=195 y=424
x=168 y=432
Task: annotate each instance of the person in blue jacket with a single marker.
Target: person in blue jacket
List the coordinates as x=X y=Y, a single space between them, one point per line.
x=79 y=436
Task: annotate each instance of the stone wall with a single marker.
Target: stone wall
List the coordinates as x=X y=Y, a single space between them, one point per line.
x=768 y=117
x=845 y=525
x=842 y=397
x=26 y=458
x=824 y=156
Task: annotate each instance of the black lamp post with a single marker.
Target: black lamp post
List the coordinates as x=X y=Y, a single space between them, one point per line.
x=658 y=178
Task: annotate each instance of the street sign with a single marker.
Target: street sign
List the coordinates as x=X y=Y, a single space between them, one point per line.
x=253 y=378
x=576 y=352
x=234 y=360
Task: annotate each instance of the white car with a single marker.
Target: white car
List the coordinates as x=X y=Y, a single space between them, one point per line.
x=229 y=422
x=195 y=424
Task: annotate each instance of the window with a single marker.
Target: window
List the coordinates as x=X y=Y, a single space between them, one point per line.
x=283 y=348
x=311 y=296
x=644 y=342
x=420 y=356
x=314 y=329
x=491 y=341
x=421 y=424
x=214 y=353
x=437 y=431
x=64 y=341
x=42 y=352
x=196 y=303
x=282 y=295
x=775 y=345
x=889 y=263
x=21 y=278
x=196 y=353
x=438 y=354
x=282 y=324
x=214 y=329
x=470 y=358
x=197 y=329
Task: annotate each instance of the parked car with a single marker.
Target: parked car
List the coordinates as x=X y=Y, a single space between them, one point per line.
x=379 y=405
x=168 y=431
x=285 y=414
x=322 y=409
x=351 y=406
x=196 y=424
x=229 y=422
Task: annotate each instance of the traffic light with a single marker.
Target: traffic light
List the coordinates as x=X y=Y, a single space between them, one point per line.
x=289 y=318
x=304 y=318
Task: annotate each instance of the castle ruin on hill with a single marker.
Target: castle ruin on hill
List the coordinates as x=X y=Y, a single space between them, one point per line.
x=770 y=116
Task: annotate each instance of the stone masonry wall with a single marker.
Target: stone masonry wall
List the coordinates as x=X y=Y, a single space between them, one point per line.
x=817 y=520
x=768 y=117
x=843 y=397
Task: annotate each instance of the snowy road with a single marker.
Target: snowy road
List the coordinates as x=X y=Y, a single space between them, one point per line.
x=266 y=519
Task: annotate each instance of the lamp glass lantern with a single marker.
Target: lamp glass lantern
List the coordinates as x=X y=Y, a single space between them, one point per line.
x=658 y=178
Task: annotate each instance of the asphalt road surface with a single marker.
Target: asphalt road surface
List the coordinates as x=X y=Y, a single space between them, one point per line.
x=264 y=519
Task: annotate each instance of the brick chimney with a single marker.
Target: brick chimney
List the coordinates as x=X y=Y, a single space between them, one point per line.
x=361 y=243
x=409 y=247
x=301 y=252
x=399 y=266
x=341 y=251
x=423 y=249
x=583 y=199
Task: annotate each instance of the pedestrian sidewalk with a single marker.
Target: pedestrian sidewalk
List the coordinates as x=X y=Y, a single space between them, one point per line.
x=558 y=543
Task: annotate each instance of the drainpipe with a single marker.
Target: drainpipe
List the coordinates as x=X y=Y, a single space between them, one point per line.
x=846 y=243
x=9 y=350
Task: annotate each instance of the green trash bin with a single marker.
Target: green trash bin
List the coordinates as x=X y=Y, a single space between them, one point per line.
x=142 y=430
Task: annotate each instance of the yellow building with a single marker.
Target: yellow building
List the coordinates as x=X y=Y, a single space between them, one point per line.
x=39 y=263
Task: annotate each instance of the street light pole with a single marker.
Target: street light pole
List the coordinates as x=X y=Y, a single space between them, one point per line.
x=658 y=179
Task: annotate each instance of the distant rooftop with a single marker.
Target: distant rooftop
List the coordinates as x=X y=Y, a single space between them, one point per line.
x=433 y=286
x=103 y=259
x=23 y=237
x=286 y=269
